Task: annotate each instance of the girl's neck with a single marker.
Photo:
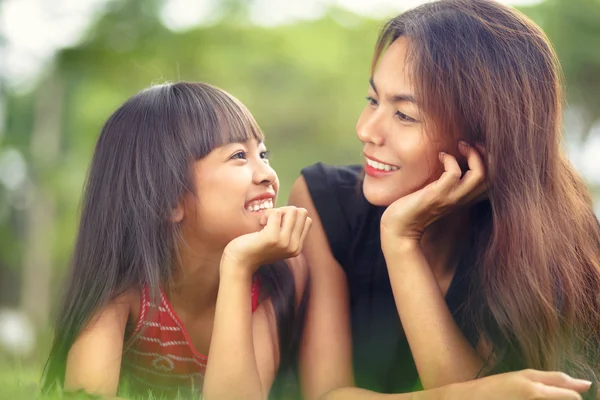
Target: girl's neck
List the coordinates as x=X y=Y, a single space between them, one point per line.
x=195 y=281
x=443 y=242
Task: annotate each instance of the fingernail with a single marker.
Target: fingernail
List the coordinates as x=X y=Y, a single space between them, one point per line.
x=441 y=155
x=584 y=382
x=463 y=144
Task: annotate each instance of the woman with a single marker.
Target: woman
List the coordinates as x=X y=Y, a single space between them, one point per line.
x=472 y=248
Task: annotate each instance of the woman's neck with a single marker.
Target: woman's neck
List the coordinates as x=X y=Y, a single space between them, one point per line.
x=443 y=242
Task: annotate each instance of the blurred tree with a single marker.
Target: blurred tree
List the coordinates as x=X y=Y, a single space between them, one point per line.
x=573 y=26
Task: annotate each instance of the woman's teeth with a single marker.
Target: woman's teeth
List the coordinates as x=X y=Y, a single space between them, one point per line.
x=381 y=166
x=260 y=205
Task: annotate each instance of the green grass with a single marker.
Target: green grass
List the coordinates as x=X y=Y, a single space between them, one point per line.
x=20 y=380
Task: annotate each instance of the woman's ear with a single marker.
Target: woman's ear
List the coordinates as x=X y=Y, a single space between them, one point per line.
x=177 y=213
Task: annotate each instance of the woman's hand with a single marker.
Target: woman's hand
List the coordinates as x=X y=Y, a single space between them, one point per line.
x=407 y=218
x=521 y=385
x=282 y=237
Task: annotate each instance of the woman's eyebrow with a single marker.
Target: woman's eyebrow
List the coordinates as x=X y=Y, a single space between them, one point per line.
x=396 y=98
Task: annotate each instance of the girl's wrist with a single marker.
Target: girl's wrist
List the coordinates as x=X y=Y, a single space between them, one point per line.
x=232 y=268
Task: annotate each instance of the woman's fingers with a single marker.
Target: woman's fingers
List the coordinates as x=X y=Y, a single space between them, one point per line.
x=472 y=184
x=555 y=393
x=558 y=379
x=450 y=177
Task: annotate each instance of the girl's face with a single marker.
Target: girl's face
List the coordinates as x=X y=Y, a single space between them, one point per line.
x=400 y=156
x=234 y=185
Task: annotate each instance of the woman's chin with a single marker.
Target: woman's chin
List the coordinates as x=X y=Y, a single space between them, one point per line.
x=377 y=195
x=381 y=195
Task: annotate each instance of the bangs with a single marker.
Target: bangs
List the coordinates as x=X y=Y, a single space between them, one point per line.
x=236 y=124
x=210 y=117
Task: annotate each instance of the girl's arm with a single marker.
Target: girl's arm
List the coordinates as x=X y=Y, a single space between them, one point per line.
x=94 y=360
x=244 y=348
x=326 y=352
x=232 y=371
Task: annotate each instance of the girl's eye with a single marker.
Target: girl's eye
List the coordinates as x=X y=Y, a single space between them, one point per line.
x=372 y=101
x=404 y=117
x=265 y=155
x=240 y=155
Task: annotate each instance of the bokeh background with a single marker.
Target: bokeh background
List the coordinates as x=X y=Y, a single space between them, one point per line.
x=301 y=67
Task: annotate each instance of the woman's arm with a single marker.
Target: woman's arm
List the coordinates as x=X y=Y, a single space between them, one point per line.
x=325 y=353
x=94 y=360
x=520 y=385
x=441 y=352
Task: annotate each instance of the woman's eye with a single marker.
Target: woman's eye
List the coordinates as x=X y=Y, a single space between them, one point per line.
x=265 y=154
x=404 y=117
x=371 y=101
x=240 y=155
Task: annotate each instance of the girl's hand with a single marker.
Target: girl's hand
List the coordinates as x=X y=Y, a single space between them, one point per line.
x=282 y=237
x=521 y=385
x=407 y=217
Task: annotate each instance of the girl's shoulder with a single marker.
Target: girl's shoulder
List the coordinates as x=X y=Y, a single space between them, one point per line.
x=132 y=300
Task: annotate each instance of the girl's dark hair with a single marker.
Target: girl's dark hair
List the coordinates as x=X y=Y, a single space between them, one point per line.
x=486 y=73
x=139 y=172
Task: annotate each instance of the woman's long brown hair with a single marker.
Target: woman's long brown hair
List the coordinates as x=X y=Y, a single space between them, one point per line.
x=486 y=73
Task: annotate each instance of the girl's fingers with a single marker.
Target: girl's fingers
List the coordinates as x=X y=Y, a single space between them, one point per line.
x=307 y=225
x=272 y=227
x=290 y=215
x=296 y=237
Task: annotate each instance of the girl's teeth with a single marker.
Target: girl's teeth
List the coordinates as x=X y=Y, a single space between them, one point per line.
x=260 y=205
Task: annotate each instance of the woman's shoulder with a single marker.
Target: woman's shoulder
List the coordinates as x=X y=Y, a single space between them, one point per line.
x=334 y=195
x=299 y=268
x=336 y=190
x=333 y=176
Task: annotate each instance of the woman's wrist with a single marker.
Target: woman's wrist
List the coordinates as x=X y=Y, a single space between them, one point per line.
x=399 y=245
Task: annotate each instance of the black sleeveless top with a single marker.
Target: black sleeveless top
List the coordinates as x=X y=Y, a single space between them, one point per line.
x=381 y=356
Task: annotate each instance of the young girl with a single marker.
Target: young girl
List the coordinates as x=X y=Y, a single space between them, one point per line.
x=172 y=259
x=472 y=248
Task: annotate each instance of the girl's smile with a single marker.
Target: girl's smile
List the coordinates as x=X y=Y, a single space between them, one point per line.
x=260 y=203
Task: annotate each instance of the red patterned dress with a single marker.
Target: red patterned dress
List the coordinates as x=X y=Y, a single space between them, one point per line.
x=159 y=355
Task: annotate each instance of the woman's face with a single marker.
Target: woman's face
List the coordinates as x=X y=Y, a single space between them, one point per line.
x=400 y=156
